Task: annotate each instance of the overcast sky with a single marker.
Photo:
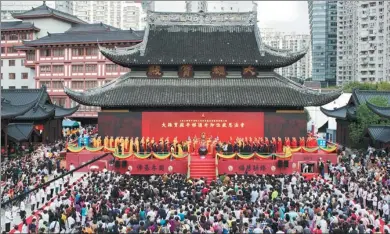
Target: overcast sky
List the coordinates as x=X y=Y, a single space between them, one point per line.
x=285 y=16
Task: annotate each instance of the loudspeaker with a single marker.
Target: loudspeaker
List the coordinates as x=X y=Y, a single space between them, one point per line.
x=280 y=163
x=117 y=164
x=285 y=163
x=124 y=164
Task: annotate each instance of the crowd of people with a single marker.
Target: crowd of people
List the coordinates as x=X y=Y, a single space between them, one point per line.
x=25 y=173
x=353 y=197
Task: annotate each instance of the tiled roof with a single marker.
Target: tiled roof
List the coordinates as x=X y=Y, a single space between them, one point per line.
x=45 y=11
x=362 y=96
x=379 y=110
x=40 y=109
x=10 y=110
x=128 y=91
x=338 y=113
x=92 y=28
x=88 y=37
x=20 y=131
x=201 y=45
x=17 y=25
x=379 y=133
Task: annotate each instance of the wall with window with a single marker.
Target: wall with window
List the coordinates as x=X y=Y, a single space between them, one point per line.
x=15 y=74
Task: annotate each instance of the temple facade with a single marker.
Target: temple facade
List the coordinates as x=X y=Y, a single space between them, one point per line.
x=204 y=74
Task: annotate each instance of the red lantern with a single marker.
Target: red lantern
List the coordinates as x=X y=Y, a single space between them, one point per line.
x=39 y=127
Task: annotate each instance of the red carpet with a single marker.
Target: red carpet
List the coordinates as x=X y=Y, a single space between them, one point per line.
x=203 y=168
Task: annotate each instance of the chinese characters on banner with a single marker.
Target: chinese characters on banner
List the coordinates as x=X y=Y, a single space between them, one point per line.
x=202 y=124
x=252 y=168
x=185 y=125
x=153 y=168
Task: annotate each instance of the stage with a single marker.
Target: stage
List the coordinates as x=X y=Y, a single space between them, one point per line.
x=152 y=165
x=270 y=166
x=134 y=165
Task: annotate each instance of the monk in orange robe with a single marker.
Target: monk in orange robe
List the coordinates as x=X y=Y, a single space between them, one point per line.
x=106 y=142
x=99 y=141
x=111 y=143
x=279 y=145
x=116 y=143
x=127 y=144
x=302 y=142
x=287 y=142
x=136 y=143
x=195 y=144
x=131 y=146
x=189 y=145
x=294 y=143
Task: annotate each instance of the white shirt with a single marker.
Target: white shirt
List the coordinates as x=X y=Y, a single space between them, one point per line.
x=22 y=206
x=8 y=216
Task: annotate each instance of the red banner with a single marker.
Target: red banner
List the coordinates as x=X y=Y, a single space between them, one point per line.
x=213 y=124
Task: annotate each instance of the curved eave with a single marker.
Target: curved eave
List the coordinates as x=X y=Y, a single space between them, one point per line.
x=105 y=98
x=289 y=60
x=338 y=113
x=327 y=97
x=61 y=112
x=37 y=113
x=378 y=133
x=379 y=110
x=16 y=110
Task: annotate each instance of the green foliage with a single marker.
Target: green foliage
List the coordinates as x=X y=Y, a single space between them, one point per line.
x=365 y=117
x=308 y=118
x=381 y=86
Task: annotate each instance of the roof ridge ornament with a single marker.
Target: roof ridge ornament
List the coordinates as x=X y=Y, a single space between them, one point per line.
x=202 y=18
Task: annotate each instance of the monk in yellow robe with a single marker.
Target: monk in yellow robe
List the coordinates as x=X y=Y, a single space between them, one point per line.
x=116 y=142
x=126 y=144
x=131 y=145
x=106 y=142
x=179 y=150
x=94 y=142
x=175 y=144
x=195 y=144
x=99 y=142
x=122 y=140
x=111 y=142
x=123 y=148
x=136 y=145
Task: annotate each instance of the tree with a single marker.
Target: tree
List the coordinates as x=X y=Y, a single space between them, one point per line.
x=381 y=86
x=365 y=117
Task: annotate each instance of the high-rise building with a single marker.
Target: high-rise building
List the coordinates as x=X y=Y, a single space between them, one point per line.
x=10 y=7
x=219 y=6
x=294 y=42
x=363 y=52
x=120 y=14
x=323 y=29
